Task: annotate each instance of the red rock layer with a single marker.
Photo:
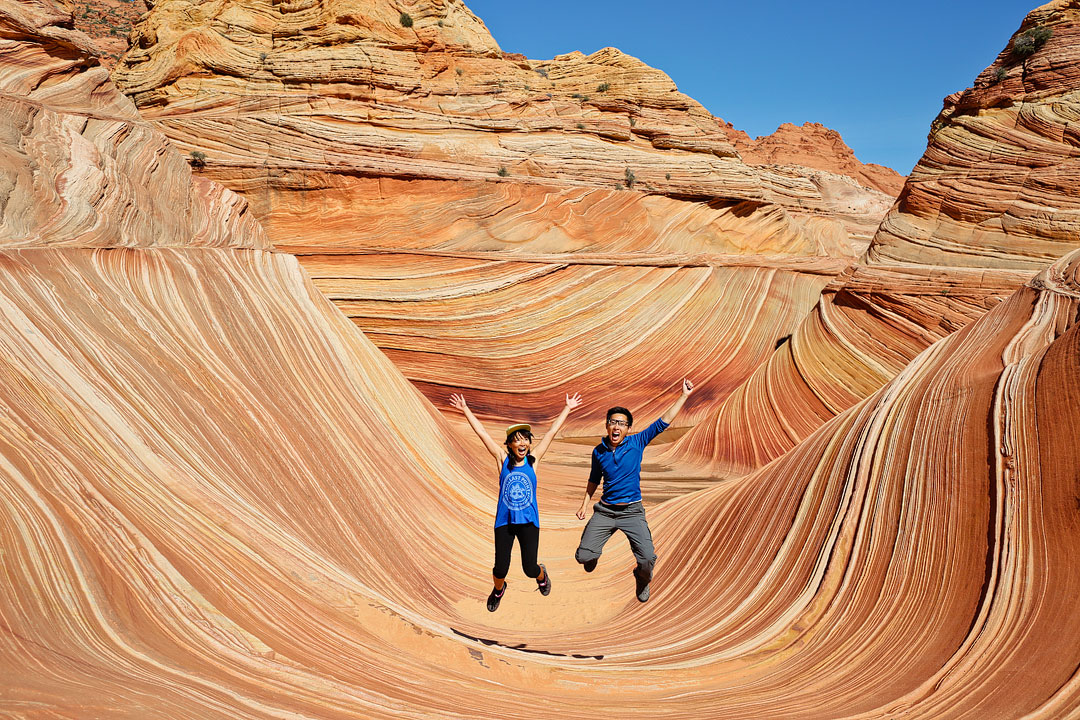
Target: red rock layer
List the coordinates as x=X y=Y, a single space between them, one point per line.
x=107 y=23
x=814 y=146
x=868 y=325
x=519 y=335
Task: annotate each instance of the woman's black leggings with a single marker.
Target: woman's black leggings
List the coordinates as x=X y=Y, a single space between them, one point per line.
x=528 y=536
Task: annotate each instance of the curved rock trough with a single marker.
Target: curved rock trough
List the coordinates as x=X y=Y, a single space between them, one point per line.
x=227 y=496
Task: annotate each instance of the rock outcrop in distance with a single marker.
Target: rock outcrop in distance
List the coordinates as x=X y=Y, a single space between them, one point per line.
x=485 y=218
x=219 y=500
x=107 y=23
x=815 y=146
x=994 y=199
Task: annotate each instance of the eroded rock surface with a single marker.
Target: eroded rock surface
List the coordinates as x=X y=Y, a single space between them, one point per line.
x=81 y=167
x=993 y=200
x=366 y=145
x=219 y=500
x=997 y=185
x=815 y=146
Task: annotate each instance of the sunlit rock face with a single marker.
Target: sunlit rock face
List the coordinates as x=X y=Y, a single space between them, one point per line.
x=997 y=186
x=937 y=517
x=994 y=198
x=219 y=500
x=373 y=148
x=812 y=172
x=813 y=145
x=81 y=168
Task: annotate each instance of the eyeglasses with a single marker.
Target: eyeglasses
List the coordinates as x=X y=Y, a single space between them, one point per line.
x=618 y=423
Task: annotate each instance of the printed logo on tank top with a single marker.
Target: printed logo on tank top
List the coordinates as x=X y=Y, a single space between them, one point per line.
x=517 y=491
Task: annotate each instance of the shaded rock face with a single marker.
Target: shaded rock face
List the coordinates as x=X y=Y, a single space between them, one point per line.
x=219 y=500
x=354 y=134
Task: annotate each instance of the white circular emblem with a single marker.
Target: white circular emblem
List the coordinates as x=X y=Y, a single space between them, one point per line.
x=517 y=491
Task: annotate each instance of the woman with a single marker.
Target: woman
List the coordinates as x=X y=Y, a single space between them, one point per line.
x=517 y=515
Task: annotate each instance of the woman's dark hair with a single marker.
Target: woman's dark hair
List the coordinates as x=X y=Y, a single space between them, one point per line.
x=618 y=410
x=513 y=436
x=525 y=434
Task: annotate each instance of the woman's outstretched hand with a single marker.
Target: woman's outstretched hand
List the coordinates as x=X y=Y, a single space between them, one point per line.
x=687 y=387
x=573 y=402
x=458 y=401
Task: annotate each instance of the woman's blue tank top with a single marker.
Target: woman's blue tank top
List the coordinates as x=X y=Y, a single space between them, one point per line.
x=517 y=495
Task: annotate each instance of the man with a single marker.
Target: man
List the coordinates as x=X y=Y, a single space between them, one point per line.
x=617 y=460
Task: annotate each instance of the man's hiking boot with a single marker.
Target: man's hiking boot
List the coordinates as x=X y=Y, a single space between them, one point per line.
x=495 y=598
x=643 y=593
x=589 y=565
x=545 y=586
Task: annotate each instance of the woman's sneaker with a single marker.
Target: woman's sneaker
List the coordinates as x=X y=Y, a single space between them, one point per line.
x=545 y=586
x=495 y=598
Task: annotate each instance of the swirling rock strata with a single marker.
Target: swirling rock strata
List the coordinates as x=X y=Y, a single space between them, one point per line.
x=80 y=167
x=520 y=334
x=353 y=135
x=219 y=500
x=869 y=324
x=934 y=516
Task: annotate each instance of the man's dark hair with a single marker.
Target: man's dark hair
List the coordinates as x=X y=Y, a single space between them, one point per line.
x=619 y=410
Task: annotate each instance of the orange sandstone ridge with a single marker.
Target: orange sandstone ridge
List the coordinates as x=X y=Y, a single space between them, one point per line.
x=997 y=184
x=816 y=146
x=220 y=500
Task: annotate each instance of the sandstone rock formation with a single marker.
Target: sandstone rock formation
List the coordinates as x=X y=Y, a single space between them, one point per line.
x=815 y=146
x=997 y=185
x=939 y=497
x=219 y=500
x=363 y=145
x=993 y=200
x=78 y=160
x=107 y=23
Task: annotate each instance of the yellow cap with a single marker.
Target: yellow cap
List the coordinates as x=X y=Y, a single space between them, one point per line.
x=521 y=426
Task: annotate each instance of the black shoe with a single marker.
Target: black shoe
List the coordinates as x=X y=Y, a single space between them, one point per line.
x=545 y=586
x=642 y=590
x=495 y=598
x=589 y=565
x=643 y=593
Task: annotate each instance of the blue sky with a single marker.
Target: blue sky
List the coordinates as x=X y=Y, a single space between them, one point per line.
x=876 y=72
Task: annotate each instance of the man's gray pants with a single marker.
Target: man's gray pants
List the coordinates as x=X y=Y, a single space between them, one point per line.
x=605 y=520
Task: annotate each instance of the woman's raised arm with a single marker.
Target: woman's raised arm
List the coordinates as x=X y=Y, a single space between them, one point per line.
x=496 y=450
x=571 y=404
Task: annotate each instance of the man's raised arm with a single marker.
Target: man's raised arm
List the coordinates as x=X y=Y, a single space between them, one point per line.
x=671 y=412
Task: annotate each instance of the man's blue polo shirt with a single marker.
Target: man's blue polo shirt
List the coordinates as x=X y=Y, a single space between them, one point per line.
x=620 y=468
